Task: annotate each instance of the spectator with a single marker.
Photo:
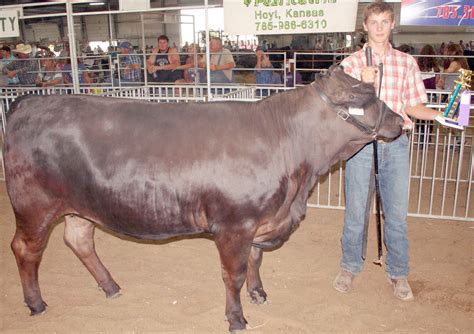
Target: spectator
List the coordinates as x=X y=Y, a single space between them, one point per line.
x=191 y=69
x=84 y=77
x=405 y=48
x=50 y=74
x=469 y=53
x=24 y=67
x=429 y=67
x=222 y=62
x=292 y=77
x=129 y=66
x=430 y=75
x=451 y=74
x=163 y=61
x=185 y=47
x=264 y=72
x=8 y=57
x=442 y=48
x=88 y=56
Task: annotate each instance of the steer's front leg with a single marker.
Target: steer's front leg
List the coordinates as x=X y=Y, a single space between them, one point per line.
x=234 y=249
x=254 y=282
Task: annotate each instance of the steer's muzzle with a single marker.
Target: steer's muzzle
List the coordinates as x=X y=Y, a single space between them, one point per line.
x=391 y=124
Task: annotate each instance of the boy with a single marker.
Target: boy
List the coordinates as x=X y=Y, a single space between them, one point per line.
x=403 y=91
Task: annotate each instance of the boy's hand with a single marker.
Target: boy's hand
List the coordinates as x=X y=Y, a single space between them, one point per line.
x=369 y=74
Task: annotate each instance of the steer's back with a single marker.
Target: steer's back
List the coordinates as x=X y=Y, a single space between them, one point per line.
x=142 y=169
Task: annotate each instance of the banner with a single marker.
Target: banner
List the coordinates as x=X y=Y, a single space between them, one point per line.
x=9 y=23
x=437 y=13
x=270 y=17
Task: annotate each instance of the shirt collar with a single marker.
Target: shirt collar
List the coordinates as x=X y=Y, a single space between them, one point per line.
x=387 y=54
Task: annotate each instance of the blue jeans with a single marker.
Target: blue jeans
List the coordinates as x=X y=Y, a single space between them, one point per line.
x=393 y=179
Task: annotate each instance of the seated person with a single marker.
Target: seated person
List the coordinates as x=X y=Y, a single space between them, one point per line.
x=7 y=57
x=24 y=67
x=129 y=66
x=191 y=66
x=222 y=62
x=163 y=61
x=84 y=77
x=264 y=68
x=50 y=74
x=451 y=74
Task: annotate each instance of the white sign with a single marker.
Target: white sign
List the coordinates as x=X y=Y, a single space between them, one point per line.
x=270 y=17
x=134 y=5
x=9 y=24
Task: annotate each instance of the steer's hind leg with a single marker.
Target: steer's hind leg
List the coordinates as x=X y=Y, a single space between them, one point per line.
x=79 y=236
x=28 y=253
x=33 y=227
x=234 y=249
x=254 y=282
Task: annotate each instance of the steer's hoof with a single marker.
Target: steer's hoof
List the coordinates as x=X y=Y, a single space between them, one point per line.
x=111 y=290
x=115 y=295
x=38 y=309
x=237 y=330
x=237 y=326
x=258 y=297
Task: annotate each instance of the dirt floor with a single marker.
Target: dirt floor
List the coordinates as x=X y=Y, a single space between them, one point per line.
x=176 y=287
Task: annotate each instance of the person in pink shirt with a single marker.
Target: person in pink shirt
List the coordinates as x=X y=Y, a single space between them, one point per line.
x=403 y=91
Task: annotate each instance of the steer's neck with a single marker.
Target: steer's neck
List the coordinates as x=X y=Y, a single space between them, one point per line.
x=318 y=136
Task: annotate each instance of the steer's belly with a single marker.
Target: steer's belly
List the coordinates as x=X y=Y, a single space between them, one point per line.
x=140 y=212
x=145 y=225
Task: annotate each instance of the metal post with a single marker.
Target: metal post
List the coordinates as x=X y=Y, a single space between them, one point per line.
x=145 y=73
x=208 y=56
x=72 y=47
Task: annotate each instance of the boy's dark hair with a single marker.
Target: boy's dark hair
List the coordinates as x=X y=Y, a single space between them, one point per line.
x=6 y=48
x=378 y=7
x=163 y=37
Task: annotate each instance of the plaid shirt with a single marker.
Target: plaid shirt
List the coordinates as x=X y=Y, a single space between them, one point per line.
x=402 y=85
x=26 y=70
x=130 y=74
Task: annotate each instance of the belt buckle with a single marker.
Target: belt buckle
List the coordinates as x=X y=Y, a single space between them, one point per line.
x=344 y=115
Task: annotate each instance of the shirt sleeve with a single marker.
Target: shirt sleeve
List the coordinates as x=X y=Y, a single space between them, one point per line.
x=228 y=58
x=11 y=66
x=415 y=92
x=58 y=76
x=135 y=59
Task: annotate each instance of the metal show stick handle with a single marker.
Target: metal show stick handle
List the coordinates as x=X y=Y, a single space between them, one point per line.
x=378 y=202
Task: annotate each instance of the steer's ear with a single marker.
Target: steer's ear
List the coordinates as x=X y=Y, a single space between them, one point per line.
x=334 y=69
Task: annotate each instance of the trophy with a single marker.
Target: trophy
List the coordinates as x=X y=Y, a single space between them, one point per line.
x=456 y=114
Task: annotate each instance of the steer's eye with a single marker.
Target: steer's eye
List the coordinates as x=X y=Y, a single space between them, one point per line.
x=351 y=97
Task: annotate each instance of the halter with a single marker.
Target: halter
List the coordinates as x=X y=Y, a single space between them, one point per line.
x=344 y=114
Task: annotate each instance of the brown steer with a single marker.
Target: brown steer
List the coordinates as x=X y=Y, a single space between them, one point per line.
x=241 y=172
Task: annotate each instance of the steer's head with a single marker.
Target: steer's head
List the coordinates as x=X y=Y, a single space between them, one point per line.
x=357 y=103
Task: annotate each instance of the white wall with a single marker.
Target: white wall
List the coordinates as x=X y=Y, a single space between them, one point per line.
x=39 y=31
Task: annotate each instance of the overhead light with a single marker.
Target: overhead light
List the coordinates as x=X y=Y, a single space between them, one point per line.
x=96 y=4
